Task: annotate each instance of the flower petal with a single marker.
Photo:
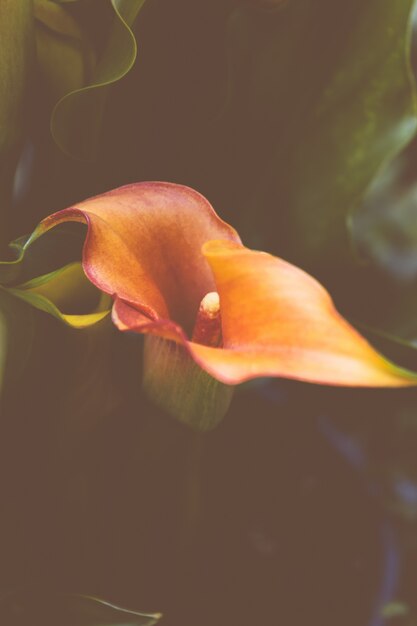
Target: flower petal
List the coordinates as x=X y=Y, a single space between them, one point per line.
x=144 y=246
x=279 y=321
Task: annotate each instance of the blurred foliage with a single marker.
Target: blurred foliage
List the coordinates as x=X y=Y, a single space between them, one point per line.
x=65 y=56
x=394 y=609
x=56 y=65
x=17 y=330
x=325 y=98
x=282 y=114
x=77 y=117
x=20 y=609
x=55 y=292
x=323 y=95
x=17 y=46
x=16 y=35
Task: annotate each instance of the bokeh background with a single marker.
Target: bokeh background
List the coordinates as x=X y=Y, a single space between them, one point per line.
x=296 y=120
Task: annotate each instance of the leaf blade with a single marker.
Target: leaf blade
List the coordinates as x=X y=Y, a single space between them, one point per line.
x=87 y=103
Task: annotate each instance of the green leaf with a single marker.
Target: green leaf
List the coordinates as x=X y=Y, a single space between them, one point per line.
x=10 y=269
x=395 y=609
x=64 y=53
x=16 y=53
x=17 y=330
x=324 y=94
x=25 y=608
x=29 y=259
x=77 y=117
x=401 y=351
x=64 y=293
x=16 y=41
x=57 y=291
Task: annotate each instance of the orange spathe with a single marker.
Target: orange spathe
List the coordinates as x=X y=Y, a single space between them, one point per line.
x=159 y=248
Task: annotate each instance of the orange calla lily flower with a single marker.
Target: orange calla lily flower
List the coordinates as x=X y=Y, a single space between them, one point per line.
x=158 y=249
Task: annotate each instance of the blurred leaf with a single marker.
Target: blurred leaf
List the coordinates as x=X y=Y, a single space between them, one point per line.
x=16 y=53
x=77 y=117
x=3 y=347
x=346 y=144
x=401 y=351
x=395 y=609
x=25 y=609
x=385 y=227
x=89 y=386
x=78 y=372
x=385 y=233
x=64 y=55
x=17 y=328
x=324 y=95
x=16 y=39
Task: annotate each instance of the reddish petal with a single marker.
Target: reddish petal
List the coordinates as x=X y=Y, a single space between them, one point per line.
x=278 y=321
x=126 y=317
x=144 y=245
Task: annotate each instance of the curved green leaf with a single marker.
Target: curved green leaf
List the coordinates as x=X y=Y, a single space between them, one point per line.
x=77 y=117
x=64 y=293
x=24 y=608
x=27 y=260
x=64 y=54
x=328 y=91
x=55 y=292
x=9 y=270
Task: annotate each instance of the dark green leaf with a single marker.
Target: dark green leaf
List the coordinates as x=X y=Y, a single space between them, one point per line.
x=323 y=94
x=401 y=351
x=16 y=53
x=17 y=328
x=29 y=260
x=16 y=41
x=77 y=117
x=64 y=53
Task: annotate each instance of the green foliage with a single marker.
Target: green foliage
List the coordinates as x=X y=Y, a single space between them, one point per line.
x=77 y=117
x=17 y=329
x=86 y=379
x=323 y=95
x=63 y=288
x=64 y=52
x=27 y=260
x=16 y=44
x=394 y=609
x=320 y=98
x=24 y=608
